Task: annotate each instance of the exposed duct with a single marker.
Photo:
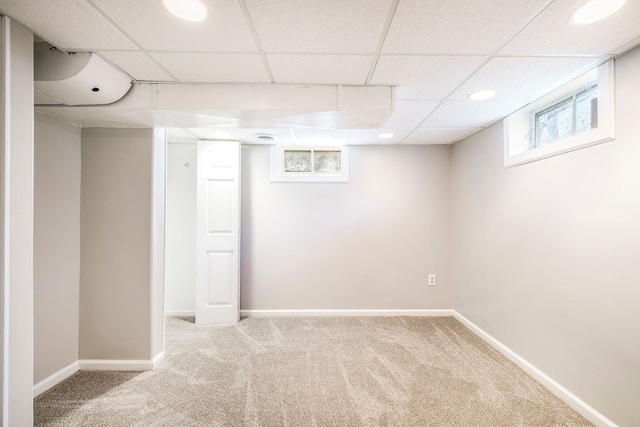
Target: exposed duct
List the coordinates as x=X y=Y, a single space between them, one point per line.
x=75 y=78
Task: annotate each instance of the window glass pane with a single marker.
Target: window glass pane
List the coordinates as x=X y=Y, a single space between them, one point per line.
x=554 y=123
x=297 y=161
x=587 y=110
x=326 y=161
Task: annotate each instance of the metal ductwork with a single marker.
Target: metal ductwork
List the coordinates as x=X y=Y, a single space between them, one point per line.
x=81 y=78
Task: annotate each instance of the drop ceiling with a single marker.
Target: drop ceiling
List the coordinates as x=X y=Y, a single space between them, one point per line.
x=433 y=52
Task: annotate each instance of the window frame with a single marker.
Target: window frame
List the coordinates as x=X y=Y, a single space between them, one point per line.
x=519 y=127
x=278 y=173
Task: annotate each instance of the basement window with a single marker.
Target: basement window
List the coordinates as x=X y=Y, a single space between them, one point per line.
x=577 y=115
x=309 y=164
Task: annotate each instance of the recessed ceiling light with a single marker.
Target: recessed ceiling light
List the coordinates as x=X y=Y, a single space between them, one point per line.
x=189 y=10
x=595 y=10
x=385 y=135
x=481 y=95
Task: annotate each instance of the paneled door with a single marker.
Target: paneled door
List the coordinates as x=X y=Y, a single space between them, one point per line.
x=218 y=232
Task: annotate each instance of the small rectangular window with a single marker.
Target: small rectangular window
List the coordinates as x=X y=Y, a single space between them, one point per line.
x=309 y=164
x=568 y=117
x=297 y=161
x=578 y=114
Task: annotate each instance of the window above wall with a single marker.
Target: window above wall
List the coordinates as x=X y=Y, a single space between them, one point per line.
x=309 y=164
x=577 y=115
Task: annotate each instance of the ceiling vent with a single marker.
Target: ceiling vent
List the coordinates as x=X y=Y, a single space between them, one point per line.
x=81 y=78
x=265 y=137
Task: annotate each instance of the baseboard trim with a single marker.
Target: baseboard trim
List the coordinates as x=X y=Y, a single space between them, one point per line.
x=345 y=313
x=121 y=365
x=55 y=379
x=180 y=313
x=569 y=398
x=156 y=361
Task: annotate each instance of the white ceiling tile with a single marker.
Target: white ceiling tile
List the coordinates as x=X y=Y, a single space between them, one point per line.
x=457 y=26
x=214 y=67
x=138 y=65
x=67 y=24
x=322 y=136
x=469 y=114
x=552 y=34
x=441 y=74
x=370 y=136
x=251 y=136
x=212 y=133
x=522 y=78
x=413 y=92
x=324 y=26
x=423 y=136
x=154 y=28
x=410 y=113
x=320 y=69
x=180 y=136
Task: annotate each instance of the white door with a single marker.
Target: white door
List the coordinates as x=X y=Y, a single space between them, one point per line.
x=218 y=232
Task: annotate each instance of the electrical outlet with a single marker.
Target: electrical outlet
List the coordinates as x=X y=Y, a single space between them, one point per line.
x=432 y=280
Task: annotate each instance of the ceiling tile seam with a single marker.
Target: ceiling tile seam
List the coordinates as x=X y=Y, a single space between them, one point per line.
x=250 y=26
x=525 y=25
x=114 y=65
x=418 y=127
x=162 y=67
x=130 y=76
x=542 y=56
x=446 y=98
x=267 y=68
x=383 y=37
x=113 y=23
x=256 y=39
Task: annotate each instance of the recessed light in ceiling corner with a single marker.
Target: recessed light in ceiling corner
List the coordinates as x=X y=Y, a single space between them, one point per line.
x=189 y=10
x=385 y=135
x=595 y=10
x=481 y=95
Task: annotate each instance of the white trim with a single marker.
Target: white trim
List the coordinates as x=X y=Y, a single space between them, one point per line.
x=180 y=313
x=345 y=313
x=569 y=398
x=121 y=365
x=156 y=361
x=55 y=378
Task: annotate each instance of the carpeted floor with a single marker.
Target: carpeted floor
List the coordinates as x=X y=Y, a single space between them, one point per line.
x=342 y=372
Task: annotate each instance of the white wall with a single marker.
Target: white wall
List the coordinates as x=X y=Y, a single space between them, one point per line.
x=180 y=273
x=16 y=275
x=117 y=218
x=546 y=255
x=366 y=244
x=56 y=272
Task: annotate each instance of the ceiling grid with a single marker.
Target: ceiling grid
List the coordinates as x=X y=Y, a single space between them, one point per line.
x=434 y=52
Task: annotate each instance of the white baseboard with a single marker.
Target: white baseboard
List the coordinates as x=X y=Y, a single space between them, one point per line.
x=180 y=313
x=156 y=361
x=121 y=365
x=55 y=378
x=356 y=312
x=569 y=398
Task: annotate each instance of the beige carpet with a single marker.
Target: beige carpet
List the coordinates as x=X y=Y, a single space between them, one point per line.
x=342 y=372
